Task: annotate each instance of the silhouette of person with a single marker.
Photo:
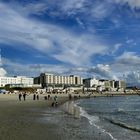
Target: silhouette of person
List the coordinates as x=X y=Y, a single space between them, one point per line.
x=48 y=97
x=37 y=97
x=20 y=95
x=34 y=97
x=24 y=96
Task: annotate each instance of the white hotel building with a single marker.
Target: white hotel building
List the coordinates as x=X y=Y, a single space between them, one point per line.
x=16 y=80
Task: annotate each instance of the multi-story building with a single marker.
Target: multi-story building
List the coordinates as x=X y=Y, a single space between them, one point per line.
x=91 y=82
x=47 y=79
x=120 y=85
x=16 y=80
x=109 y=85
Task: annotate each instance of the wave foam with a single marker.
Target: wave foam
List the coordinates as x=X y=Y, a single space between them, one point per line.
x=93 y=120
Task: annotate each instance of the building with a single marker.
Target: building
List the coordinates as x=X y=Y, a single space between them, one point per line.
x=16 y=80
x=120 y=85
x=91 y=82
x=108 y=85
x=47 y=79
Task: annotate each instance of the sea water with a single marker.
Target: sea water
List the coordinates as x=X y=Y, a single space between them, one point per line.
x=100 y=118
x=117 y=117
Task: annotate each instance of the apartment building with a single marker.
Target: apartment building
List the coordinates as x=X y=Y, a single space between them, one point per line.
x=47 y=79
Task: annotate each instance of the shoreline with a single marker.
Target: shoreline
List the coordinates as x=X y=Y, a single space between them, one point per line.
x=19 y=119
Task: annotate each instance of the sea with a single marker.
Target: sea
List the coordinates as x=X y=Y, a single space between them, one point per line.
x=118 y=117
x=101 y=118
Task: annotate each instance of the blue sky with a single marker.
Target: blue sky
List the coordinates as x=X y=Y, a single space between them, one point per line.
x=85 y=37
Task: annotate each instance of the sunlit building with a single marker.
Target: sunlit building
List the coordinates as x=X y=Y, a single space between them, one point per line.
x=47 y=79
x=16 y=80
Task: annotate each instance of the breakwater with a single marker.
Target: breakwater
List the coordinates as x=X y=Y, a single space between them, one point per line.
x=71 y=108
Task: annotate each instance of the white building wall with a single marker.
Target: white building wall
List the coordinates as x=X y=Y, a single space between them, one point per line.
x=94 y=82
x=59 y=79
x=15 y=80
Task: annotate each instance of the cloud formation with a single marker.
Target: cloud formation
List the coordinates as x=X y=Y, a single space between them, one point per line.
x=131 y=3
x=2 y=72
x=83 y=37
x=59 y=43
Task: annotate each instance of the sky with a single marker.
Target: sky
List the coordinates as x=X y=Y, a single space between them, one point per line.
x=91 y=38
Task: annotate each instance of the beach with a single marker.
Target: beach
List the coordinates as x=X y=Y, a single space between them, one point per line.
x=18 y=119
x=26 y=120
x=38 y=120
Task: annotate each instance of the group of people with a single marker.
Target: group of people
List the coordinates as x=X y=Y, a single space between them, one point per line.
x=35 y=96
x=22 y=95
x=47 y=97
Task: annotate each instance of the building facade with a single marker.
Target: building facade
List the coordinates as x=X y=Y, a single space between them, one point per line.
x=47 y=79
x=17 y=80
x=108 y=85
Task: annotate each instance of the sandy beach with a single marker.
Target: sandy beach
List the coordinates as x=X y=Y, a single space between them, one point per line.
x=18 y=118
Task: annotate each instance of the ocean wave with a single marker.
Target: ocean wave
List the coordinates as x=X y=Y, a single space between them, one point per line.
x=93 y=120
x=121 y=110
x=133 y=128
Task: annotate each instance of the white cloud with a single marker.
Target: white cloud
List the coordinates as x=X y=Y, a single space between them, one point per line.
x=54 y=40
x=129 y=58
x=131 y=3
x=71 y=5
x=92 y=10
x=60 y=43
x=100 y=10
x=133 y=78
x=125 y=63
x=34 y=8
x=80 y=23
x=17 y=68
x=116 y=47
x=2 y=72
x=95 y=10
x=103 y=71
x=129 y=41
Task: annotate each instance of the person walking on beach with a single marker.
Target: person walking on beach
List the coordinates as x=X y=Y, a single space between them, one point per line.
x=24 y=96
x=55 y=98
x=37 y=96
x=20 y=95
x=34 y=97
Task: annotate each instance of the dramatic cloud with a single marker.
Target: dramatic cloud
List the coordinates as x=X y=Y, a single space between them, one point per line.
x=83 y=37
x=132 y=78
x=129 y=58
x=59 y=43
x=99 y=71
x=103 y=71
x=126 y=63
x=15 y=68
